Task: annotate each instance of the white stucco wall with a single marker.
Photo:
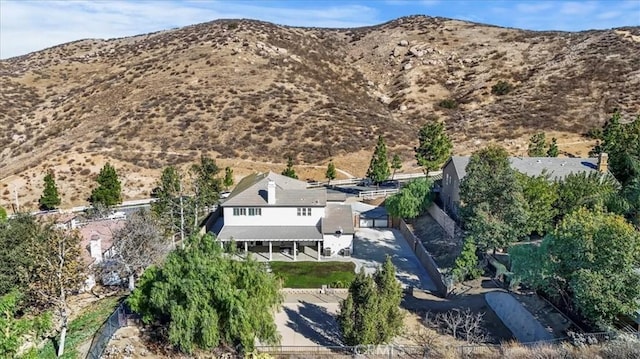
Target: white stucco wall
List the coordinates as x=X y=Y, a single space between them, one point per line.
x=274 y=216
x=336 y=243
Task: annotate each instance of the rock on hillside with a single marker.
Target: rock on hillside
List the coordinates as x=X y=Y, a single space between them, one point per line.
x=257 y=91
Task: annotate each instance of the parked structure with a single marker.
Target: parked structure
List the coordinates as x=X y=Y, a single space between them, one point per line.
x=267 y=212
x=558 y=168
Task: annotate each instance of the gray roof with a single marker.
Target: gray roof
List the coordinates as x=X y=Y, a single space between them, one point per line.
x=369 y=211
x=252 y=191
x=338 y=217
x=270 y=233
x=556 y=167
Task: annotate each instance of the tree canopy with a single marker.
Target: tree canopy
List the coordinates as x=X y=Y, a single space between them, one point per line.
x=593 y=190
x=493 y=206
x=289 y=171
x=541 y=197
x=622 y=144
x=206 y=299
x=371 y=312
x=434 y=146
x=206 y=183
x=588 y=263
x=228 y=178
x=379 y=166
x=396 y=164
x=537 y=145
x=331 y=171
x=50 y=198
x=109 y=190
x=412 y=200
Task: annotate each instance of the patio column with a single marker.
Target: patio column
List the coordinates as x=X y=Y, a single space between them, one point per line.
x=318 y=250
x=295 y=249
x=246 y=247
x=270 y=251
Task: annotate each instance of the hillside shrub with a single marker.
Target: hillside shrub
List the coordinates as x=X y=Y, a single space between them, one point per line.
x=448 y=104
x=501 y=88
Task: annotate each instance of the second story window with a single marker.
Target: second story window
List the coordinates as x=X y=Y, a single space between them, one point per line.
x=239 y=211
x=255 y=211
x=304 y=212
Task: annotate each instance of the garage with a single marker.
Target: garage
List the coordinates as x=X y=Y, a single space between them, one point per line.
x=369 y=216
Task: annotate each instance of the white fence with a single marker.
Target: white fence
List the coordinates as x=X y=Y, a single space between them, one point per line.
x=377 y=193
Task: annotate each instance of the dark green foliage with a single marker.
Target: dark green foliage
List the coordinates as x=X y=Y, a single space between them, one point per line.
x=537 y=145
x=371 y=312
x=206 y=182
x=592 y=190
x=109 y=190
x=466 y=265
x=379 y=166
x=448 y=104
x=228 y=177
x=50 y=198
x=434 y=146
x=622 y=143
x=14 y=328
x=16 y=236
x=289 y=171
x=206 y=299
x=553 y=148
x=501 y=88
x=588 y=263
x=331 y=171
x=494 y=210
x=396 y=164
x=541 y=197
x=3 y=214
x=412 y=200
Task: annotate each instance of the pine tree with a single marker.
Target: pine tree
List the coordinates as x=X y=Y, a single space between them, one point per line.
x=434 y=146
x=109 y=190
x=50 y=198
x=537 y=145
x=228 y=177
x=289 y=171
x=389 y=299
x=396 y=164
x=466 y=265
x=331 y=171
x=379 y=166
x=553 y=148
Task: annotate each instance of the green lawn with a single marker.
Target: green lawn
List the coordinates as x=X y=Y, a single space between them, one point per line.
x=82 y=328
x=313 y=274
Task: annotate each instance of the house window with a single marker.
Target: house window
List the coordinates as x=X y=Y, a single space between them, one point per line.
x=304 y=212
x=255 y=211
x=239 y=211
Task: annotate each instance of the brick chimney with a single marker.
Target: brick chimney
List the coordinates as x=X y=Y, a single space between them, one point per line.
x=603 y=162
x=271 y=192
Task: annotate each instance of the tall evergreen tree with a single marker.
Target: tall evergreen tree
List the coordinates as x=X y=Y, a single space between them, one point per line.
x=396 y=164
x=331 y=171
x=289 y=171
x=379 y=166
x=553 y=148
x=434 y=146
x=622 y=143
x=389 y=298
x=50 y=198
x=206 y=182
x=109 y=190
x=228 y=177
x=537 y=145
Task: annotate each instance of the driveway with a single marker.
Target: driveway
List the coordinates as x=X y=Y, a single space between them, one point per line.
x=371 y=246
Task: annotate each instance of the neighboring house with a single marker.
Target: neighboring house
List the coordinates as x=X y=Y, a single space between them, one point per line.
x=558 y=168
x=268 y=212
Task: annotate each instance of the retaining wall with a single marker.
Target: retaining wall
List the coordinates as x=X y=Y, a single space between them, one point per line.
x=522 y=324
x=446 y=222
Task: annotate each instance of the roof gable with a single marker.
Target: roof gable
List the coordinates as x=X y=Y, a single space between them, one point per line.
x=252 y=191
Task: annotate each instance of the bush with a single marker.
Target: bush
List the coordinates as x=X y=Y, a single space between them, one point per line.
x=501 y=88
x=448 y=104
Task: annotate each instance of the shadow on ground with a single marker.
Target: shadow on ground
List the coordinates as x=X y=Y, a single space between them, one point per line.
x=315 y=323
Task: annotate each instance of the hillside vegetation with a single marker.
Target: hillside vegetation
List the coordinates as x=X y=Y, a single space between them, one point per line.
x=251 y=93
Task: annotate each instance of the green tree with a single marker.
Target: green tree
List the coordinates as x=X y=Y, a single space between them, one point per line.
x=371 y=312
x=289 y=171
x=412 y=200
x=206 y=299
x=493 y=206
x=466 y=265
x=622 y=143
x=3 y=214
x=14 y=328
x=379 y=166
x=206 y=182
x=109 y=190
x=588 y=263
x=434 y=146
x=593 y=190
x=540 y=195
x=50 y=198
x=553 y=148
x=396 y=164
x=331 y=171
x=228 y=178
x=537 y=145
x=16 y=237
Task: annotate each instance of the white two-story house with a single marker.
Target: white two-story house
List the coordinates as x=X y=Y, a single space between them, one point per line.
x=268 y=213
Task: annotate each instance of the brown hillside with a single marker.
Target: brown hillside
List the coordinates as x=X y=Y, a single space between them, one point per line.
x=250 y=93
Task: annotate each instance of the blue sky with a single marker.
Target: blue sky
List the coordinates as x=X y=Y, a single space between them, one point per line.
x=27 y=26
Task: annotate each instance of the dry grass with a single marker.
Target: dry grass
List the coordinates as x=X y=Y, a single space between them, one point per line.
x=254 y=91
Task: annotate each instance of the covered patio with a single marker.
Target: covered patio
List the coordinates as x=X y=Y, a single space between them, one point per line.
x=276 y=242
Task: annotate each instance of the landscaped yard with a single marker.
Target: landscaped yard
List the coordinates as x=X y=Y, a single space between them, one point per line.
x=82 y=328
x=314 y=274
